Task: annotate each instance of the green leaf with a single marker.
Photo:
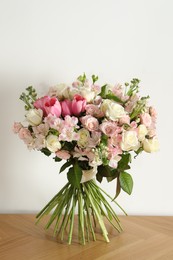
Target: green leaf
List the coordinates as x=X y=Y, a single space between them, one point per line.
x=106 y=171
x=118 y=189
x=138 y=151
x=123 y=164
x=94 y=78
x=103 y=91
x=46 y=151
x=74 y=175
x=99 y=177
x=69 y=145
x=104 y=139
x=82 y=78
x=53 y=131
x=114 y=98
x=57 y=159
x=126 y=182
x=65 y=166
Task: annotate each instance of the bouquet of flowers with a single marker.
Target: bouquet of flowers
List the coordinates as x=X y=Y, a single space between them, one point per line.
x=96 y=129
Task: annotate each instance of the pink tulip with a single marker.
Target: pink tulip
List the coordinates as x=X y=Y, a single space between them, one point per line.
x=40 y=103
x=66 y=107
x=48 y=105
x=78 y=105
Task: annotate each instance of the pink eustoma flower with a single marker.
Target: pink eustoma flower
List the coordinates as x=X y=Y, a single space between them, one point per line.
x=78 y=105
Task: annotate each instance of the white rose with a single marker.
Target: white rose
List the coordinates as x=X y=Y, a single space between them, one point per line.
x=34 y=116
x=52 y=143
x=130 y=141
x=60 y=90
x=112 y=110
x=151 y=145
x=142 y=132
x=88 y=175
x=87 y=93
x=84 y=136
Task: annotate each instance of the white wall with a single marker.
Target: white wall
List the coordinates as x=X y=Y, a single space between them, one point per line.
x=44 y=42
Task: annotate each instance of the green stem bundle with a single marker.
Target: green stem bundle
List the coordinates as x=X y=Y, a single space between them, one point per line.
x=92 y=208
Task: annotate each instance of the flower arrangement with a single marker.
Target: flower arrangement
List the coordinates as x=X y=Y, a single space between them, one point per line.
x=96 y=129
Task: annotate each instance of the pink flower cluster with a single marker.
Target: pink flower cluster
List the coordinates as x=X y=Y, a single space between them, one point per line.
x=88 y=123
x=51 y=105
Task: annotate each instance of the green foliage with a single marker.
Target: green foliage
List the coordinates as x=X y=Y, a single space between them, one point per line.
x=133 y=87
x=103 y=91
x=29 y=97
x=109 y=94
x=126 y=182
x=74 y=175
x=94 y=78
x=65 y=165
x=123 y=164
x=118 y=188
x=57 y=159
x=69 y=146
x=82 y=78
x=53 y=132
x=138 y=151
x=113 y=97
x=139 y=108
x=46 y=151
x=106 y=171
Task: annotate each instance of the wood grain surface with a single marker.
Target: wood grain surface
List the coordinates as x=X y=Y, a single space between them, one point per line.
x=143 y=238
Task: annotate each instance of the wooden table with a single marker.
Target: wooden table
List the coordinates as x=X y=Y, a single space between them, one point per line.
x=145 y=238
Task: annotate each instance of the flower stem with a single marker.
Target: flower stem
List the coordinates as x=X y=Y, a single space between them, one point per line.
x=92 y=209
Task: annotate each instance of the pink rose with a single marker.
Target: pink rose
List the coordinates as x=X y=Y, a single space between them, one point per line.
x=78 y=105
x=49 y=105
x=63 y=154
x=93 y=110
x=16 y=127
x=124 y=120
x=133 y=125
x=90 y=123
x=108 y=128
x=146 y=119
x=66 y=107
